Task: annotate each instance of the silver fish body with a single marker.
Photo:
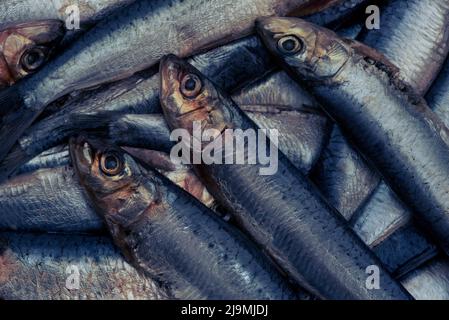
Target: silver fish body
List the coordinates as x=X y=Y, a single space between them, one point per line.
x=283 y=212
x=232 y=65
x=413 y=35
x=169 y=235
x=135 y=29
x=392 y=127
x=90 y=12
x=69 y=267
x=46 y=200
x=430 y=282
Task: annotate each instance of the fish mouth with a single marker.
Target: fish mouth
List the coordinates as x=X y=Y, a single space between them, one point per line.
x=174 y=105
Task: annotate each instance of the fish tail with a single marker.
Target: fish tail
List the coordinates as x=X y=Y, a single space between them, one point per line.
x=15 y=118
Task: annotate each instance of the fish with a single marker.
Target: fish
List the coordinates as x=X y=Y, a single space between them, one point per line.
x=236 y=64
x=230 y=66
x=430 y=282
x=54 y=157
x=333 y=13
x=388 y=122
x=265 y=101
x=45 y=195
x=90 y=12
x=414 y=36
x=282 y=212
x=169 y=235
x=48 y=199
x=69 y=267
x=137 y=29
x=346 y=190
x=26 y=47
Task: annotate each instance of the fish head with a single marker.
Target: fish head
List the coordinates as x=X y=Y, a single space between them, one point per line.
x=187 y=96
x=109 y=175
x=311 y=52
x=26 y=47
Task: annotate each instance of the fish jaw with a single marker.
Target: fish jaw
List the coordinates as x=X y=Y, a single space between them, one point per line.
x=318 y=54
x=180 y=110
x=26 y=47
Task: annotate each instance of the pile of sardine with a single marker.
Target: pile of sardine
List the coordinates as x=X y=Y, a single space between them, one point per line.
x=93 y=206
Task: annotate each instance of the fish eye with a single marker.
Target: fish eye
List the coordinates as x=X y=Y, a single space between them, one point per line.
x=290 y=45
x=191 y=85
x=111 y=163
x=32 y=59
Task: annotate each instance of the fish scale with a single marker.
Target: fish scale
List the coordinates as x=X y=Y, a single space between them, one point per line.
x=383 y=120
x=416 y=40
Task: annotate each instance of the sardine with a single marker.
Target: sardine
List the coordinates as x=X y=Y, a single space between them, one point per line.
x=230 y=66
x=387 y=121
x=386 y=225
x=266 y=102
x=97 y=57
x=90 y=12
x=45 y=196
x=169 y=235
x=47 y=200
x=282 y=212
x=26 y=47
x=69 y=267
x=423 y=21
x=54 y=157
x=334 y=12
x=430 y=282
x=414 y=36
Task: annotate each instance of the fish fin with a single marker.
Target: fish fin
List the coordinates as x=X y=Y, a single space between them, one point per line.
x=13 y=160
x=16 y=117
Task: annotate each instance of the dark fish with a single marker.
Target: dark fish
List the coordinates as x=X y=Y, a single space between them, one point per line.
x=45 y=196
x=168 y=234
x=393 y=127
x=55 y=157
x=266 y=101
x=414 y=36
x=46 y=200
x=48 y=267
x=430 y=282
x=282 y=212
x=97 y=57
x=230 y=66
x=25 y=47
x=424 y=22
x=334 y=12
x=386 y=225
